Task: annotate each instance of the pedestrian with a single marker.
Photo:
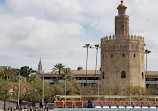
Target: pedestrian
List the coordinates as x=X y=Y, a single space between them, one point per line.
x=10 y=108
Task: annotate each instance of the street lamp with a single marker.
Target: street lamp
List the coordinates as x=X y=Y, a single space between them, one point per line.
x=43 y=94
x=19 y=94
x=65 y=89
x=98 y=89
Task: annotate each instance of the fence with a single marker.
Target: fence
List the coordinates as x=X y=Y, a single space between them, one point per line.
x=81 y=104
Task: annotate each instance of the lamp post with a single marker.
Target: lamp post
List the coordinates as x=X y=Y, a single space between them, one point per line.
x=43 y=94
x=65 y=89
x=98 y=89
x=19 y=94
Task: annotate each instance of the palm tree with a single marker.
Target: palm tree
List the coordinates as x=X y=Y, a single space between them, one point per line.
x=59 y=67
x=146 y=52
x=96 y=47
x=87 y=46
x=68 y=75
x=9 y=73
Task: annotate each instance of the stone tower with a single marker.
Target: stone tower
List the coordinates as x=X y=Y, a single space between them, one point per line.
x=40 y=71
x=122 y=55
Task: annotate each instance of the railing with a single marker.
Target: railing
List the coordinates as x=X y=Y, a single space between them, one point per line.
x=151 y=82
x=81 y=104
x=88 y=81
x=68 y=104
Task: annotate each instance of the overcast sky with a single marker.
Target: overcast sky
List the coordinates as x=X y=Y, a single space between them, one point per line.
x=56 y=30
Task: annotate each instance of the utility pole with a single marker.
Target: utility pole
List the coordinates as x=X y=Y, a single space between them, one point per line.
x=98 y=89
x=43 y=94
x=65 y=89
x=19 y=94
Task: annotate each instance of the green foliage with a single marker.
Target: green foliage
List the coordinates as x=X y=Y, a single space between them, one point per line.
x=134 y=90
x=72 y=88
x=68 y=75
x=9 y=73
x=4 y=89
x=49 y=92
x=36 y=92
x=26 y=71
x=147 y=51
x=153 y=91
x=33 y=78
x=58 y=67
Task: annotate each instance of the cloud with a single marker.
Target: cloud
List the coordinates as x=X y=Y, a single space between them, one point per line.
x=56 y=30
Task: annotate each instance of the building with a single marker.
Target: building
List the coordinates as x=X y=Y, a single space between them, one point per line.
x=122 y=55
x=79 y=74
x=152 y=80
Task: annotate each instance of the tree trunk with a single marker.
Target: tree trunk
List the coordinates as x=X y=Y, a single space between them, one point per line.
x=4 y=104
x=146 y=63
x=86 y=65
x=96 y=64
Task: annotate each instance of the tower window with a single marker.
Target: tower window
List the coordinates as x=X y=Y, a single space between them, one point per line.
x=142 y=75
x=132 y=46
x=103 y=75
x=103 y=56
x=123 y=55
x=111 y=55
x=134 y=55
x=123 y=74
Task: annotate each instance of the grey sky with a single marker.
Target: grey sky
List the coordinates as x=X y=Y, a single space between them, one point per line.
x=56 y=30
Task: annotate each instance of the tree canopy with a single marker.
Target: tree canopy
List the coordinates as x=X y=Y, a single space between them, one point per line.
x=58 y=67
x=26 y=71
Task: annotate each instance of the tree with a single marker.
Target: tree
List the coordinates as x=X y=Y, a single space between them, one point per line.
x=87 y=46
x=4 y=90
x=49 y=92
x=33 y=78
x=26 y=71
x=68 y=75
x=9 y=73
x=73 y=88
x=147 y=52
x=96 y=47
x=36 y=92
x=58 y=67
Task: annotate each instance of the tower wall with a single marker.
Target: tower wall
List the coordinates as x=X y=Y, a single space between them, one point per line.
x=120 y=53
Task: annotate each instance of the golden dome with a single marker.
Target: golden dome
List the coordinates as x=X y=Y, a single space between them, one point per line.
x=122 y=5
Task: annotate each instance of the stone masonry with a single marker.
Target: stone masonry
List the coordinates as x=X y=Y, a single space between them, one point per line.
x=122 y=55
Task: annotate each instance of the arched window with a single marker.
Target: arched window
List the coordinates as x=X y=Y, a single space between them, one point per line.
x=111 y=55
x=134 y=55
x=123 y=55
x=123 y=74
x=142 y=75
x=103 y=75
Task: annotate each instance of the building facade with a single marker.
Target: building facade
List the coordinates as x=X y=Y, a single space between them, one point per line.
x=152 y=80
x=122 y=55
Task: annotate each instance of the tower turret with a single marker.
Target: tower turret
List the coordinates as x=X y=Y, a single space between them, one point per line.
x=40 y=71
x=122 y=21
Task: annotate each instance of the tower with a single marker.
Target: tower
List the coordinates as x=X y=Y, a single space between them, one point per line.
x=122 y=55
x=40 y=71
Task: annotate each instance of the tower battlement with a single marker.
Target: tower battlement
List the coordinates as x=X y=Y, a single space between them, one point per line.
x=130 y=37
